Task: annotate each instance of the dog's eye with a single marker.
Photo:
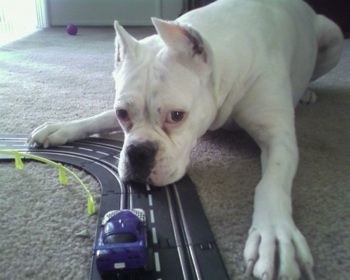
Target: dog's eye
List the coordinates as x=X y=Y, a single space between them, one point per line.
x=122 y=114
x=175 y=116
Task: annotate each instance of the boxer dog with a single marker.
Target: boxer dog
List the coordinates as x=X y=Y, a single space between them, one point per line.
x=247 y=62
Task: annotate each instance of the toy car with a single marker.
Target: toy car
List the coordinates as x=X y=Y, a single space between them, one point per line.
x=122 y=241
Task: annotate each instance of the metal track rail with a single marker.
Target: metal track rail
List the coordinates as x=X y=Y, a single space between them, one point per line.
x=181 y=243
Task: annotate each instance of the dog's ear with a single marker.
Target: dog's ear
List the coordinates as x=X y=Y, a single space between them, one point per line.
x=125 y=44
x=181 y=38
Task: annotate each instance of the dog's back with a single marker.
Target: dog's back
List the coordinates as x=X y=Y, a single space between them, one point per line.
x=251 y=34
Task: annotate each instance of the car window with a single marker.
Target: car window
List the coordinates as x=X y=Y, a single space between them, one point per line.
x=109 y=227
x=124 y=237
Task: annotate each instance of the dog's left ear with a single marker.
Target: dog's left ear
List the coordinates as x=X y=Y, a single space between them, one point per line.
x=181 y=38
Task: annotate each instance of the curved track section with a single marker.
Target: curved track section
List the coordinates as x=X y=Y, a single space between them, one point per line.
x=181 y=245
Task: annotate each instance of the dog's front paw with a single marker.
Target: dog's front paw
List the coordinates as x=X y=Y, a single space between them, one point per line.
x=49 y=134
x=277 y=252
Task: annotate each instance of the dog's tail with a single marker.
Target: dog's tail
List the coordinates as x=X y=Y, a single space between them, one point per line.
x=330 y=46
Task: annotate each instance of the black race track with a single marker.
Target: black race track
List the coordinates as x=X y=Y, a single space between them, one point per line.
x=181 y=244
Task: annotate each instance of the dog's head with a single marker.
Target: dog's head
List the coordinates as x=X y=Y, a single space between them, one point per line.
x=163 y=100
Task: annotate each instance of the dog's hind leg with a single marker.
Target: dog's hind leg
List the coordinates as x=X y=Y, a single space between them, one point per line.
x=330 y=46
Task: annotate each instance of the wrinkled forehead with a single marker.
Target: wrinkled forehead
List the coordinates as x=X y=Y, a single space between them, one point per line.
x=160 y=81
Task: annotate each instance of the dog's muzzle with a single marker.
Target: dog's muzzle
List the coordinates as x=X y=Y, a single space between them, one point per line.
x=140 y=158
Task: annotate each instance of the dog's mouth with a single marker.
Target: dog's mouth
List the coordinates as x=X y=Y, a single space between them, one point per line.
x=137 y=177
x=147 y=163
x=154 y=178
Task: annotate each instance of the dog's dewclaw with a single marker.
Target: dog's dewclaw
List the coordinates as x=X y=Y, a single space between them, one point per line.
x=308 y=270
x=250 y=266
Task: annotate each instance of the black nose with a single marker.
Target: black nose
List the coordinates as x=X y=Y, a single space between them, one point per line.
x=141 y=159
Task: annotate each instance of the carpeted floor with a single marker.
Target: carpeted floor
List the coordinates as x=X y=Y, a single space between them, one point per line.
x=52 y=76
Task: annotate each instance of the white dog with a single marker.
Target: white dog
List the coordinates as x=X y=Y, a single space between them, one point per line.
x=247 y=62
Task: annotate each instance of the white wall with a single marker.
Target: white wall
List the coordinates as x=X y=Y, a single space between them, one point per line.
x=104 y=12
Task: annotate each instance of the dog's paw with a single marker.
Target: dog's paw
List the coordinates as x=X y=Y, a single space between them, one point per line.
x=49 y=134
x=309 y=97
x=277 y=252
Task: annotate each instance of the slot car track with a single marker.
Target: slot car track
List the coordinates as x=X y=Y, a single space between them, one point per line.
x=180 y=242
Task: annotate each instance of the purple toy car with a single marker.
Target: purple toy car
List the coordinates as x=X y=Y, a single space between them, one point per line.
x=122 y=241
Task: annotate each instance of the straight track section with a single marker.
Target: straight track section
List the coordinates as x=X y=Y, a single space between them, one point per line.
x=181 y=244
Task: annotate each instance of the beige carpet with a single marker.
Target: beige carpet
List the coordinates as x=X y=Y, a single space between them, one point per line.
x=53 y=76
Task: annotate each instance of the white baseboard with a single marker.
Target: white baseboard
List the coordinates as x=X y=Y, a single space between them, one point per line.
x=104 y=12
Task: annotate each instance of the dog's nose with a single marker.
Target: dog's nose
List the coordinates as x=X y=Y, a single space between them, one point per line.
x=141 y=158
x=141 y=153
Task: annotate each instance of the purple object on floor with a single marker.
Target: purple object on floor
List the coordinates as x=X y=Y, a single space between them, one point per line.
x=72 y=29
x=122 y=241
